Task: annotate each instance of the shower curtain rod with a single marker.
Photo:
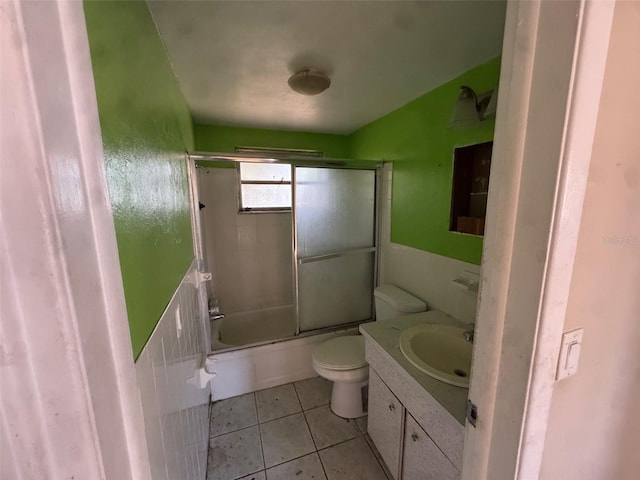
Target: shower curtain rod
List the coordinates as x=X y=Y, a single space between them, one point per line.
x=288 y=159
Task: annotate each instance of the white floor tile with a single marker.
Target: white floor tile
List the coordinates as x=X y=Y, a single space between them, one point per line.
x=285 y=439
x=235 y=454
x=328 y=429
x=303 y=468
x=351 y=460
x=314 y=392
x=233 y=414
x=277 y=402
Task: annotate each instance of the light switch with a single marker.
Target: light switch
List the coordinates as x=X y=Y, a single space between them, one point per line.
x=569 y=354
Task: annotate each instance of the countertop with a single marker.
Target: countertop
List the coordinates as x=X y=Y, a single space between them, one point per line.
x=386 y=333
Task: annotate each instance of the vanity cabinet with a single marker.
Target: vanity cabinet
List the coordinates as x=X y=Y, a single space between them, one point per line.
x=405 y=447
x=385 y=422
x=416 y=422
x=422 y=459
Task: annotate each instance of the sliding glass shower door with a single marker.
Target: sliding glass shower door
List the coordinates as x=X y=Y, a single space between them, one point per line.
x=335 y=241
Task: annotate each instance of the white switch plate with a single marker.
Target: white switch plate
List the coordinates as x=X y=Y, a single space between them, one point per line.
x=569 y=353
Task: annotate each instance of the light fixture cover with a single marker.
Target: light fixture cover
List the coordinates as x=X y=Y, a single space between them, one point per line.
x=465 y=110
x=493 y=104
x=470 y=109
x=309 y=82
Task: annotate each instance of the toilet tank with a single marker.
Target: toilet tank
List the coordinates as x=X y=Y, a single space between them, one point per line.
x=392 y=301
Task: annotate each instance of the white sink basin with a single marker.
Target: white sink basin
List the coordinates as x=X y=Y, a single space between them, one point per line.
x=440 y=351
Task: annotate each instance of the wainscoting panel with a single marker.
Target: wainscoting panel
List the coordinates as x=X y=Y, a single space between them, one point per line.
x=175 y=407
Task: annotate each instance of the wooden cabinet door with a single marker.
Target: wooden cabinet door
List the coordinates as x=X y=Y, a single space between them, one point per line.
x=386 y=419
x=422 y=459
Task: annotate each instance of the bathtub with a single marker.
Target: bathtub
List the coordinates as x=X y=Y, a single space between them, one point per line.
x=258 y=349
x=251 y=368
x=256 y=326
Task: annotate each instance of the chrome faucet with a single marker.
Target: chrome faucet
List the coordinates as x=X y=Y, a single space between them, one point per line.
x=468 y=335
x=214 y=310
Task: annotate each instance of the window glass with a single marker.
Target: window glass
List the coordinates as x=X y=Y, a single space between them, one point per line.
x=265 y=186
x=273 y=172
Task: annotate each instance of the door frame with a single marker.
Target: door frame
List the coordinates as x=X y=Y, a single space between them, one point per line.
x=518 y=257
x=550 y=82
x=70 y=401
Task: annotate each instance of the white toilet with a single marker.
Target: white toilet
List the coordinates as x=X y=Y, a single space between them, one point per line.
x=341 y=360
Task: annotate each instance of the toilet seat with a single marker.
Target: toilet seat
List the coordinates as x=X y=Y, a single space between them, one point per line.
x=341 y=353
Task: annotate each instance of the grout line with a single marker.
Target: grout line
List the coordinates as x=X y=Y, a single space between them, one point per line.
x=315 y=406
x=235 y=431
x=280 y=418
x=369 y=441
x=293 y=459
x=339 y=443
x=264 y=462
x=283 y=416
x=212 y=403
x=230 y=431
x=304 y=414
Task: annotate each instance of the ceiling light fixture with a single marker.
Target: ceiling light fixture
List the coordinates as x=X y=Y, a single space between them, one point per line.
x=309 y=82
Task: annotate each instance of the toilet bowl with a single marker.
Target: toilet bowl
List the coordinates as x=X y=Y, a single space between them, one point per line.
x=341 y=360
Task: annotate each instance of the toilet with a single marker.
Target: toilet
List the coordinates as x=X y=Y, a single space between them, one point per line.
x=341 y=359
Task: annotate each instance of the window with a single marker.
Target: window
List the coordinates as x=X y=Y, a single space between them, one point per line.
x=265 y=187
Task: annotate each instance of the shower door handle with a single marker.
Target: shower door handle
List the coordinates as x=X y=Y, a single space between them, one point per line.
x=328 y=256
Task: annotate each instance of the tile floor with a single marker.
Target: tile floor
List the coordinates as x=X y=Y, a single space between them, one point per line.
x=289 y=432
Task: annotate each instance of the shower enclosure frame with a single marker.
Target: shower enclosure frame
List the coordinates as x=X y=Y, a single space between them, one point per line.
x=319 y=162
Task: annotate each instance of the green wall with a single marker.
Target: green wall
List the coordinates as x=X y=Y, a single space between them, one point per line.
x=146 y=128
x=416 y=137
x=214 y=138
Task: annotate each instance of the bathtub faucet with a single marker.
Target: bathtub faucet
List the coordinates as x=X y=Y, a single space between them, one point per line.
x=214 y=310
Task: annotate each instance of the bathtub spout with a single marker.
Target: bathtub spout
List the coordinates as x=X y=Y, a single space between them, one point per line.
x=214 y=310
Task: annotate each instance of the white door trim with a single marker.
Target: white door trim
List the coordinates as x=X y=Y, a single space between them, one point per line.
x=70 y=404
x=552 y=71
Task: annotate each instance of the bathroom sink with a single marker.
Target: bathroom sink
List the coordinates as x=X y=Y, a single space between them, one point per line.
x=440 y=351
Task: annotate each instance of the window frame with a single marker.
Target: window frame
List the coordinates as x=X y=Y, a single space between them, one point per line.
x=243 y=209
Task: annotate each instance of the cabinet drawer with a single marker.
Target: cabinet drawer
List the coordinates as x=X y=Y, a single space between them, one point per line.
x=386 y=419
x=422 y=459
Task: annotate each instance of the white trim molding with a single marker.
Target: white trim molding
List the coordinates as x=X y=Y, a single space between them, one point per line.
x=552 y=73
x=70 y=404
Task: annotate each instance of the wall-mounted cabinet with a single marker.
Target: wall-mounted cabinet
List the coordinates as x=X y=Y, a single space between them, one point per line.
x=471 y=169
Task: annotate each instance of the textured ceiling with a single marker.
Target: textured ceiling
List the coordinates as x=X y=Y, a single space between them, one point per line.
x=233 y=58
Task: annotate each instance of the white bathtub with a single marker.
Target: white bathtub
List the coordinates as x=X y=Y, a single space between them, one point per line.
x=246 y=328
x=253 y=368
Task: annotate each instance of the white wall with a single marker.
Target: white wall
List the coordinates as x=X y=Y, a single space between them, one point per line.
x=175 y=407
x=424 y=274
x=249 y=255
x=594 y=429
